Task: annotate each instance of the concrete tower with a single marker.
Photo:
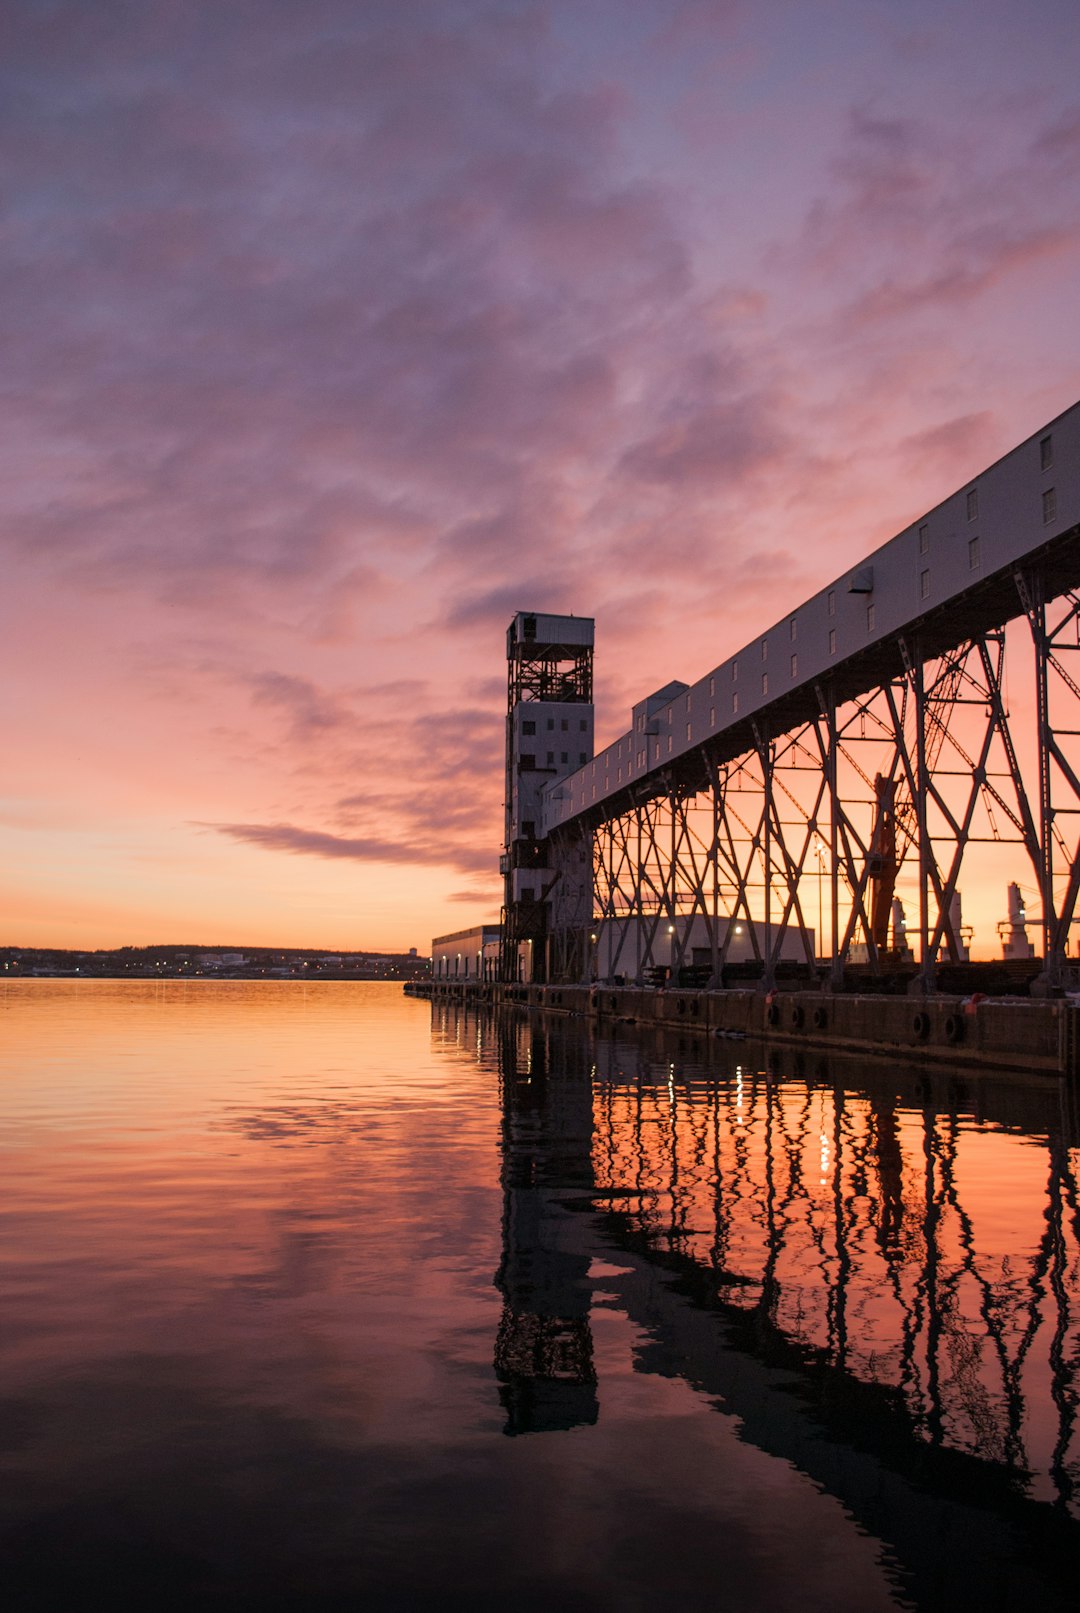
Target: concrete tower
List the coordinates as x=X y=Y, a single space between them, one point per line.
x=549 y=734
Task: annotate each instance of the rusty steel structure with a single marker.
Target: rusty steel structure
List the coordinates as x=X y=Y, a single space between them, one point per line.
x=915 y=724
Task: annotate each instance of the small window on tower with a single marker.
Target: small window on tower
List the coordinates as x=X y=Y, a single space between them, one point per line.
x=735 y=701
x=564 y=756
x=528 y=828
x=528 y=893
x=973 y=504
x=924 y=585
x=1046 y=452
x=551 y=724
x=528 y=763
x=551 y=758
x=565 y=725
x=582 y=758
x=528 y=627
x=793 y=627
x=794 y=666
x=528 y=728
x=832 y=601
x=870 y=614
x=974 y=555
x=764 y=683
x=924 y=538
x=832 y=640
x=582 y=725
x=1049 y=506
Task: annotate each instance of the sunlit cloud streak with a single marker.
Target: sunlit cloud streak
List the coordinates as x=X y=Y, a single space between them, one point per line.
x=309 y=842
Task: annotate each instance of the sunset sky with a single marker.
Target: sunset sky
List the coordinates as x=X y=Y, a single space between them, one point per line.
x=335 y=332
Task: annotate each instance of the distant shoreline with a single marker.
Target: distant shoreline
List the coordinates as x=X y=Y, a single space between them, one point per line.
x=269 y=977
x=209 y=963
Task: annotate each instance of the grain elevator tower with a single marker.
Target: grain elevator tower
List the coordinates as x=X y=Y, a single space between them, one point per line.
x=549 y=734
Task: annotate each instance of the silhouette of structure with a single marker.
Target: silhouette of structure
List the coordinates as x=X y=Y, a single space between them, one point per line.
x=543 y=1353
x=867 y=732
x=549 y=734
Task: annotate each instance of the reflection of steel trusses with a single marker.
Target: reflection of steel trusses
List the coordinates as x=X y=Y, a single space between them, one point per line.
x=792 y=829
x=839 y=1221
x=846 y=1224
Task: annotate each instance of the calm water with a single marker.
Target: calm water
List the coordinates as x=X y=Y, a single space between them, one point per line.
x=315 y=1297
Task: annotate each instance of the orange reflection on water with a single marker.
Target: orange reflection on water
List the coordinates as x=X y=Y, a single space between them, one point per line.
x=914 y=1232
x=908 y=1246
x=178 y=1155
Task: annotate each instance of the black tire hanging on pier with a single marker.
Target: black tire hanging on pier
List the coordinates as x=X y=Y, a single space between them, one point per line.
x=798 y=1017
x=772 y=1014
x=821 y=1018
x=954 y=1029
x=920 y=1026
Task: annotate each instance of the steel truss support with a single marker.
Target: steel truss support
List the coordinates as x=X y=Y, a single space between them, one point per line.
x=793 y=856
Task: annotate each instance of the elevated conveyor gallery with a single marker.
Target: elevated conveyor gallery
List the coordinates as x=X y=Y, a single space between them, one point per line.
x=859 y=750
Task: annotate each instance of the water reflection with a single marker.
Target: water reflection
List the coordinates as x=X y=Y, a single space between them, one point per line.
x=793 y=1338
x=544 y=1349
x=876 y=1272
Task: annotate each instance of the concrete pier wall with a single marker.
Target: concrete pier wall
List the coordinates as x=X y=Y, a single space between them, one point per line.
x=1002 y=1033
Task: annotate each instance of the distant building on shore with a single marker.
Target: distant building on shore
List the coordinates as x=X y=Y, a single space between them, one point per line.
x=467 y=954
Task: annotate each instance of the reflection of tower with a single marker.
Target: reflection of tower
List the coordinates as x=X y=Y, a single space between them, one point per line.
x=549 y=735
x=889 y=1159
x=543 y=1352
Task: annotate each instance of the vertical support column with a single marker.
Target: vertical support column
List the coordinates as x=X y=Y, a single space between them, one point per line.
x=674 y=950
x=1036 y=603
x=714 y=874
x=765 y=753
x=836 y=967
x=826 y=699
x=926 y=959
x=638 y=910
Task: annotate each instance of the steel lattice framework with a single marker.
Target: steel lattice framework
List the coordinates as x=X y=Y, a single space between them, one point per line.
x=810 y=828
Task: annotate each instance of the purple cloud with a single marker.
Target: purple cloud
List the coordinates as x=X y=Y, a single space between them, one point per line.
x=315 y=843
